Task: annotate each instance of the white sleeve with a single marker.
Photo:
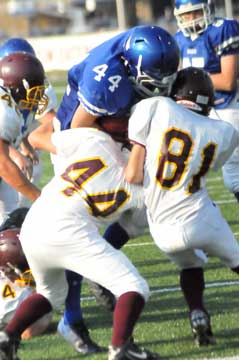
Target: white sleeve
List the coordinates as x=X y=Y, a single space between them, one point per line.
x=140 y=120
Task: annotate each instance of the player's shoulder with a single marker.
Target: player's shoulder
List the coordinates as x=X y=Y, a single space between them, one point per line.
x=104 y=87
x=10 y=118
x=78 y=137
x=179 y=34
x=157 y=108
x=155 y=102
x=221 y=25
x=8 y=107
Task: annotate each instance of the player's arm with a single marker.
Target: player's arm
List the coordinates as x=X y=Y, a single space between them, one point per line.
x=47 y=116
x=13 y=176
x=82 y=118
x=40 y=138
x=134 y=171
x=28 y=151
x=226 y=80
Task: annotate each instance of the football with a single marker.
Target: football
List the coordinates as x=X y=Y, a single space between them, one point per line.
x=116 y=126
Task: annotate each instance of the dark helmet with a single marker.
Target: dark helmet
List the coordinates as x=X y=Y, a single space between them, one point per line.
x=12 y=258
x=194 y=89
x=152 y=57
x=15 y=219
x=23 y=74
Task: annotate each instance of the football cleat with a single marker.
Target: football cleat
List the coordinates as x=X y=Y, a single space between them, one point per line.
x=201 y=328
x=78 y=336
x=103 y=296
x=8 y=347
x=131 y=351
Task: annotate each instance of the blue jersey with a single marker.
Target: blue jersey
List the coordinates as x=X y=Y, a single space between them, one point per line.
x=219 y=39
x=100 y=83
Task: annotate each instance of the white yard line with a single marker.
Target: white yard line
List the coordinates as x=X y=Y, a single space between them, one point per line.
x=221 y=358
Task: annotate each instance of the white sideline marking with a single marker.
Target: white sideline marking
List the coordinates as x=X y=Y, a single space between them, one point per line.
x=176 y=288
x=221 y=358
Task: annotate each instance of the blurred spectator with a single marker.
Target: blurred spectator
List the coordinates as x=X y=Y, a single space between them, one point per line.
x=167 y=20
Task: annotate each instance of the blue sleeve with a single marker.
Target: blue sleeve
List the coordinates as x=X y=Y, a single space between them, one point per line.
x=104 y=89
x=226 y=32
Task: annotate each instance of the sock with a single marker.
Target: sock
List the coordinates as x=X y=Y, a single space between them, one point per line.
x=29 y=311
x=116 y=235
x=192 y=285
x=127 y=311
x=73 y=311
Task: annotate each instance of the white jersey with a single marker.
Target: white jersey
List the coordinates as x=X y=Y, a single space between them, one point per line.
x=11 y=120
x=181 y=147
x=12 y=295
x=92 y=178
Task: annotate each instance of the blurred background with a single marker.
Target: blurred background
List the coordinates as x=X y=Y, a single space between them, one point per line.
x=43 y=17
x=62 y=31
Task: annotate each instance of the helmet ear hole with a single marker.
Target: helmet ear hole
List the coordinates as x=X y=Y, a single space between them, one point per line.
x=194 y=89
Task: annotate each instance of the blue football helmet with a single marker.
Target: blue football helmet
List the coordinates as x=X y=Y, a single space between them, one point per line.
x=152 y=57
x=13 y=45
x=197 y=25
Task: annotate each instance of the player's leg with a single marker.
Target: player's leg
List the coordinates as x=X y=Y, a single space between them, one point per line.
x=72 y=325
x=131 y=224
x=213 y=235
x=176 y=244
x=192 y=285
x=115 y=272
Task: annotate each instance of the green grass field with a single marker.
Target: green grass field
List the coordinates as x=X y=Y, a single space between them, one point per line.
x=163 y=326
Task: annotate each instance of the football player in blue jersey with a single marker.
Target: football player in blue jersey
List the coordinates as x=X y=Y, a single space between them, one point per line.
x=210 y=43
x=135 y=64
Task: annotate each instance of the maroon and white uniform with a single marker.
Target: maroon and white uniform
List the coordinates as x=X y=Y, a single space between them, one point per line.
x=181 y=148
x=65 y=220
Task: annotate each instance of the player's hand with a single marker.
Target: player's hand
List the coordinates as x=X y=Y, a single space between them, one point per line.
x=24 y=163
x=33 y=156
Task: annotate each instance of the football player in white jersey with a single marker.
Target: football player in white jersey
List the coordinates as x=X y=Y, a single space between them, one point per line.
x=174 y=148
x=212 y=43
x=16 y=282
x=73 y=206
x=32 y=119
x=22 y=87
x=114 y=76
